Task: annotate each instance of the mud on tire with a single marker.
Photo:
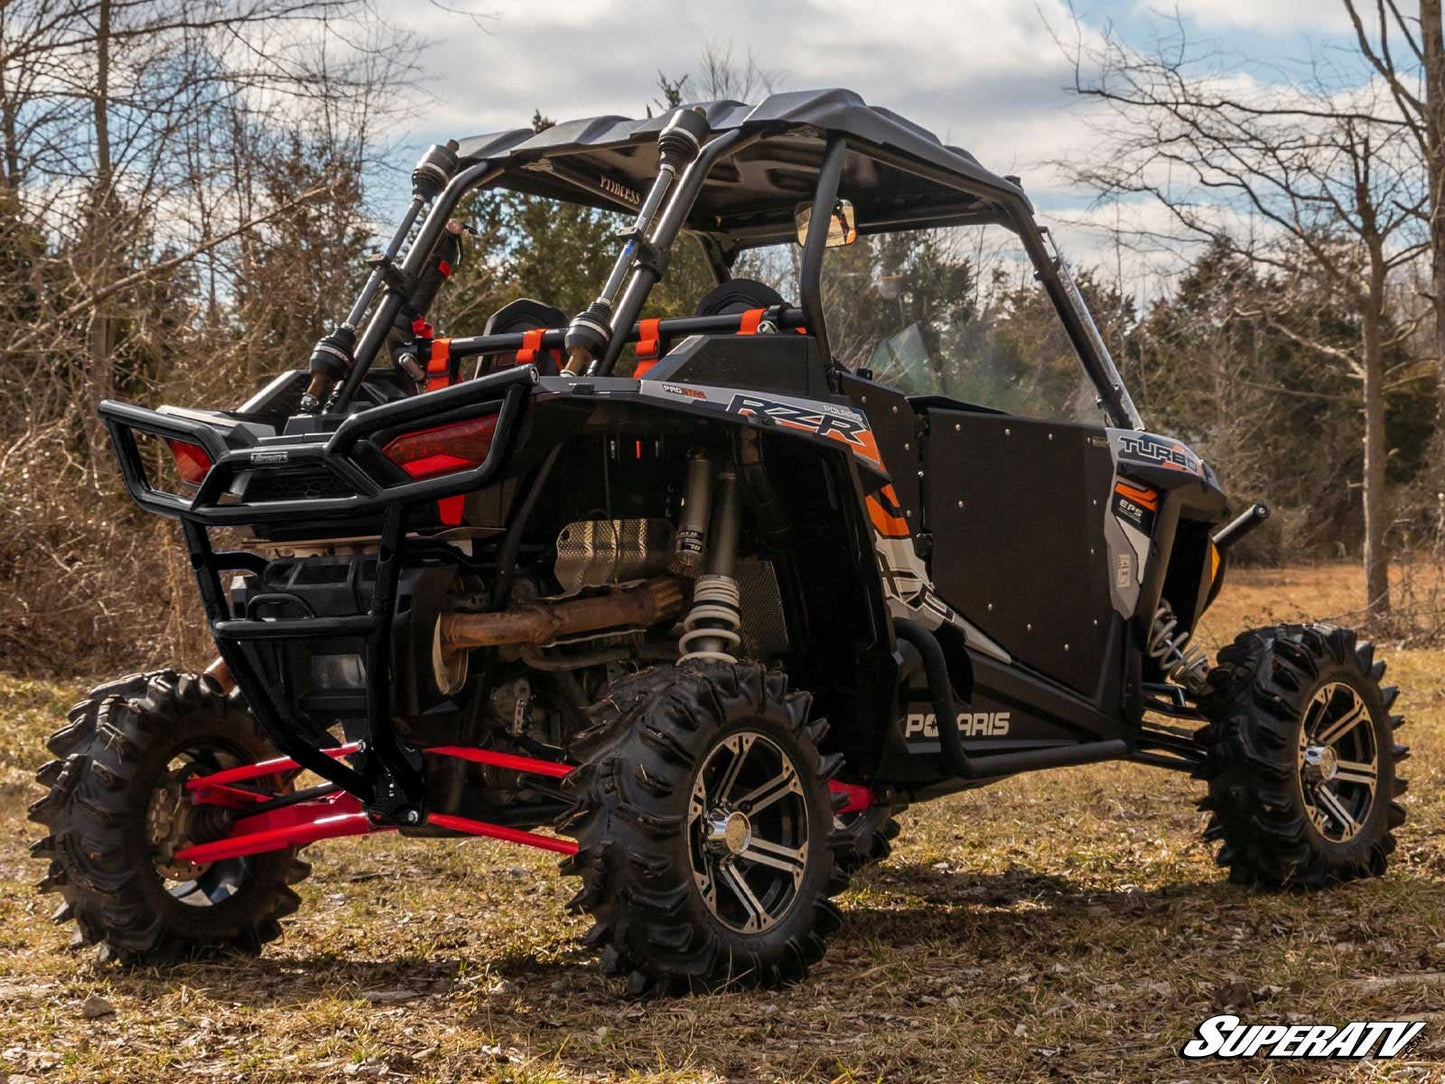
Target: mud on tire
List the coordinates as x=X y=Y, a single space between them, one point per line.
x=657 y=741
x=1274 y=695
x=116 y=749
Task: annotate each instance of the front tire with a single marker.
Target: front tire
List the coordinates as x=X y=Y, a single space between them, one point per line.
x=115 y=808
x=703 y=822
x=1302 y=757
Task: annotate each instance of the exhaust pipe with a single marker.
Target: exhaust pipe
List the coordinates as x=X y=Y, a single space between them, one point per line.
x=542 y=622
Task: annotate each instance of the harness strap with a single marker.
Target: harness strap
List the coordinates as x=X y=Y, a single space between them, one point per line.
x=648 y=345
x=439 y=365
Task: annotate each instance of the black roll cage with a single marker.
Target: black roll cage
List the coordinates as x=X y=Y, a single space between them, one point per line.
x=1006 y=206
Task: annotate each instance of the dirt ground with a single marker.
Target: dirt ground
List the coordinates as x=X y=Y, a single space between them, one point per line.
x=1064 y=925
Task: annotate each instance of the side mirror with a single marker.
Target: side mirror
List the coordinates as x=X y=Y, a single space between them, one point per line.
x=842 y=227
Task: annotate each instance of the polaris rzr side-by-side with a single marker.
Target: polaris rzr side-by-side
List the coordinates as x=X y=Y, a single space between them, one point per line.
x=699 y=602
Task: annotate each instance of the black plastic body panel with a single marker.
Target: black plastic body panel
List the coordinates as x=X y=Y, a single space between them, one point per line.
x=787 y=363
x=895 y=429
x=1016 y=509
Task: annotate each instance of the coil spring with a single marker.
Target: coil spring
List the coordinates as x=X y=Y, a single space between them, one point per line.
x=714 y=616
x=1189 y=666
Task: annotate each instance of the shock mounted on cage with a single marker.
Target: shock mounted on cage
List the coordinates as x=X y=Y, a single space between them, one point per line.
x=334 y=353
x=590 y=333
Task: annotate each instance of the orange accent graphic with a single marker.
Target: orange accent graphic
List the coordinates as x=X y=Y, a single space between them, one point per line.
x=887 y=520
x=750 y=321
x=1146 y=498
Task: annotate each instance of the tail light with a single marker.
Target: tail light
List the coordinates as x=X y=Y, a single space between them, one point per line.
x=192 y=462
x=427 y=453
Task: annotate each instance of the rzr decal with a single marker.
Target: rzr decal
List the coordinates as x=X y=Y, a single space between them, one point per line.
x=828 y=420
x=822 y=419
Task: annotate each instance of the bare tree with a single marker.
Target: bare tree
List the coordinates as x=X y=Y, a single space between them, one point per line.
x=179 y=188
x=1409 y=57
x=1304 y=180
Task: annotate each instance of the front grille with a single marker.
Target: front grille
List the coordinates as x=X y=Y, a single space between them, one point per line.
x=295 y=485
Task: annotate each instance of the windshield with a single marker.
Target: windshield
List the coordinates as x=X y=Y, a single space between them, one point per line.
x=947 y=312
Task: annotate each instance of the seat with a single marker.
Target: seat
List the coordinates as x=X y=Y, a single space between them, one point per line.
x=524 y=314
x=738 y=296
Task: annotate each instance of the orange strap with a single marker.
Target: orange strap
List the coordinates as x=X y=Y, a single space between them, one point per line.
x=531 y=343
x=648 y=344
x=438 y=366
x=647 y=338
x=750 y=321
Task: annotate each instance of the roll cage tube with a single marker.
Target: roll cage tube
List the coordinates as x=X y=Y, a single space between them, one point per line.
x=1113 y=395
x=589 y=335
x=1049 y=266
x=1098 y=363
x=815 y=244
x=649 y=262
x=392 y=300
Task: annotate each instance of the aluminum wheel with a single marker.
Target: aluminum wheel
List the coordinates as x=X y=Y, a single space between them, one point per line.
x=173 y=823
x=748 y=832
x=1338 y=761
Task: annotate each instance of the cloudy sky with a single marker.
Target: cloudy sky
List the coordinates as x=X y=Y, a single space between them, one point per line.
x=988 y=75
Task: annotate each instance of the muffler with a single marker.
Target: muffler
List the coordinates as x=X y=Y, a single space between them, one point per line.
x=543 y=622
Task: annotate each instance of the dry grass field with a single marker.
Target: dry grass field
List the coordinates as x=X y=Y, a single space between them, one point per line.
x=1065 y=925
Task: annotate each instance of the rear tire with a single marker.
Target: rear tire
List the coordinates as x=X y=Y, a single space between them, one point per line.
x=864 y=838
x=703 y=822
x=1301 y=770
x=112 y=793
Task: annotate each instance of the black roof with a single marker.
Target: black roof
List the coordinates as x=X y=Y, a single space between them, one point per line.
x=897 y=174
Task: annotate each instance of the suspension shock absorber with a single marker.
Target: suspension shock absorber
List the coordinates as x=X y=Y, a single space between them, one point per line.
x=1182 y=663
x=591 y=330
x=713 y=625
x=689 y=545
x=332 y=356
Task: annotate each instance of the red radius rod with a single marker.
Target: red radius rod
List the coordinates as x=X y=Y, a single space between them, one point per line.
x=341 y=814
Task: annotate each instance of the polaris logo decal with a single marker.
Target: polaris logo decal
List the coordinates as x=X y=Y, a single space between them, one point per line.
x=1159 y=451
x=971 y=724
x=262 y=458
x=1227 y=1036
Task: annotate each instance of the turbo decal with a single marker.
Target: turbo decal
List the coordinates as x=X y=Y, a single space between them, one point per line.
x=1159 y=452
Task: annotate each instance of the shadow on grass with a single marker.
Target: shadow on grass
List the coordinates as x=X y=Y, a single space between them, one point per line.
x=952 y=952
x=898 y=906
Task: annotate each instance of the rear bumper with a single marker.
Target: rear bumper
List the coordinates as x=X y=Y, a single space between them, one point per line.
x=351 y=457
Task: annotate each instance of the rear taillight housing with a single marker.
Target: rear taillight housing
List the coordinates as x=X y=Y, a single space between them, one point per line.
x=428 y=453
x=192 y=462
